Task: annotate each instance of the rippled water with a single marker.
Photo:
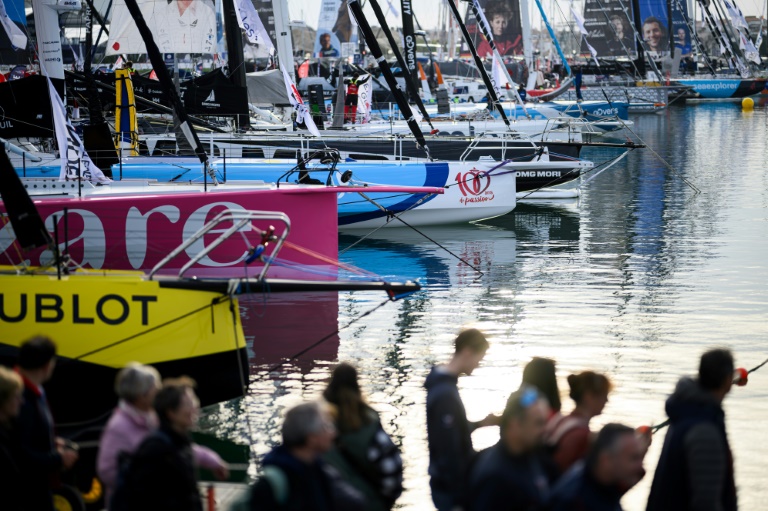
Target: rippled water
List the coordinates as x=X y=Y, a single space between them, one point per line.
x=635 y=279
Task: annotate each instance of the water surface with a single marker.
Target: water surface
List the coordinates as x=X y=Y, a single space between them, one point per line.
x=635 y=279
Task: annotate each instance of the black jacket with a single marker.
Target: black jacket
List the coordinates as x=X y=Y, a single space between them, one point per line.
x=315 y=487
x=10 y=473
x=500 y=481
x=39 y=461
x=695 y=470
x=449 y=435
x=161 y=475
x=579 y=491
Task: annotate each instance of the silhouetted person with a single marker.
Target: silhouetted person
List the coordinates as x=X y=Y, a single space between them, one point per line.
x=11 y=388
x=449 y=433
x=42 y=456
x=695 y=470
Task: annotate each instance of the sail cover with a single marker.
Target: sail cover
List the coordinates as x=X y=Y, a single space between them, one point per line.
x=334 y=28
x=504 y=19
x=13 y=48
x=655 y=27
x=609 y=29
x=178 y=26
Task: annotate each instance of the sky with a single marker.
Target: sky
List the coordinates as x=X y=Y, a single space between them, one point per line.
x=426 y=11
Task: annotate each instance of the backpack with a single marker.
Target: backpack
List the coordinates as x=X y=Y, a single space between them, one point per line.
x=120 y=500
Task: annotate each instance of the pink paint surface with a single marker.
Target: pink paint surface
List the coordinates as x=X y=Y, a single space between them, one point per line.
x=137 y=231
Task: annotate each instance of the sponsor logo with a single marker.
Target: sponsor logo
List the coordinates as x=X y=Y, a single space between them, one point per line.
x=539 y=173
x=116 y=46
x=474 y=185
x=605 y=112
x=50 y=308
x=211 y=100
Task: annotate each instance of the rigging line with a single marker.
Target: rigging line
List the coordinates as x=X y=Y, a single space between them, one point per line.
x=334 y=262
x=329 y=336
x=657 y=155
x=215 y=301
x=383 y=225
x=481 y=273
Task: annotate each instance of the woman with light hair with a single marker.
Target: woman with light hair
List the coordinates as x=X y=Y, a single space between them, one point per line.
x=135 y=418
x=11 y=388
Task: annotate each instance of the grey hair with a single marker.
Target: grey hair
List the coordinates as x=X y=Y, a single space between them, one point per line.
x=136 y=380
x=301 y=421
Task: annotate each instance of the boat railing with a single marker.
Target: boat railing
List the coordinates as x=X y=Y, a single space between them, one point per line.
x=502 y=141
x=241 y=220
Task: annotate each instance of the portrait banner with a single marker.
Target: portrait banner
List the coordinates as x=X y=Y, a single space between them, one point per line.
x=656 y=27
x=608 y=29
x=504 y=20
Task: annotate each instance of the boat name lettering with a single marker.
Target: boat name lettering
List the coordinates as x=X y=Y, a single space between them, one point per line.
x=715 y=86
x=539 y=173
x=605 y=112
x=474 y=186
x=110 y=309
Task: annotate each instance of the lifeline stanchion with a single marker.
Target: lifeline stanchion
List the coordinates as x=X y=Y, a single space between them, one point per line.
x=740 y=379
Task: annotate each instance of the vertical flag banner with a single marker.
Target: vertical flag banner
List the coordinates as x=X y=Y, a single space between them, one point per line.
x=303 y=114
x=249 y=21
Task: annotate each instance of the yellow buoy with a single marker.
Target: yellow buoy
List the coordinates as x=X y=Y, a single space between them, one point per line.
x=747 y=104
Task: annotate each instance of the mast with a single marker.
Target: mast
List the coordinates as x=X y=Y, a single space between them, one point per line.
x=525 y=18
x=158 y=64
x=479 y=63
x=407 y=75
x=373 y=45
x=235 y=56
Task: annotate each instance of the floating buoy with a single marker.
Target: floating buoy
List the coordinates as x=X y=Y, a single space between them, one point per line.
x=747 y=104
x=741 y=377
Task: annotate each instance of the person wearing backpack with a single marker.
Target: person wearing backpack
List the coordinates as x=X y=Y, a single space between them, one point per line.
x=295 y=477
x=162 y=475
x=364 y=453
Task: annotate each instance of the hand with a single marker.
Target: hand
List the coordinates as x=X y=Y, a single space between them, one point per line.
x=490 y=420
x=221 y=472
x=68 y=457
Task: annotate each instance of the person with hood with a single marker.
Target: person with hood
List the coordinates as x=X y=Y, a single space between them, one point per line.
x=133 y=420
x=695 y=470
x=295 y=476
x=512 y=475
x=449 y=433
x=364 y=454
x=614 y=464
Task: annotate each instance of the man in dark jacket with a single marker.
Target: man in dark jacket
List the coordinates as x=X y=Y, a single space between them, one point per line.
x=42 y=456
x=512 y=475
x=295 y=477
x=695 y=470
x=448 y=430
x=614 y=464
x=161 y=475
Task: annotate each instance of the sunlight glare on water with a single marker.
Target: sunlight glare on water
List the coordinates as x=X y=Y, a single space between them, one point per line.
x=636 y=279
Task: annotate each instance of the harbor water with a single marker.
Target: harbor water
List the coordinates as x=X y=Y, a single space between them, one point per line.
x=635 y=279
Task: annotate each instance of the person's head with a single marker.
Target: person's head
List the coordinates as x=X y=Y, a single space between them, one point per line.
x=618 y=26
x=498 y=15
x=653 y=33
x=308 y=428
x=355 y=76
x=177 y=405
x=128 y=64
x=540 y=372
x=589 y=391
x=470 y=347
x=138 y=384
x=616 y=458
x=716 y=372
x=37 y=359
x=523 y=421
x=325 y=41
x=681 y=35
x=343 y=392
x=11 y=388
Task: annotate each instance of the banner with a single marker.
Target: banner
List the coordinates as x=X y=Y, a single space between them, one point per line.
x=303 y=116
x=500 y=82
x=608 y=29
x=334 y=27
x=737 y=18
x=249 y=20
x=656 y=27
x=409 y=37
x=504 y=19
x=176 y=27
x=13 y=35
x=364 y=94
x=75 y=162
